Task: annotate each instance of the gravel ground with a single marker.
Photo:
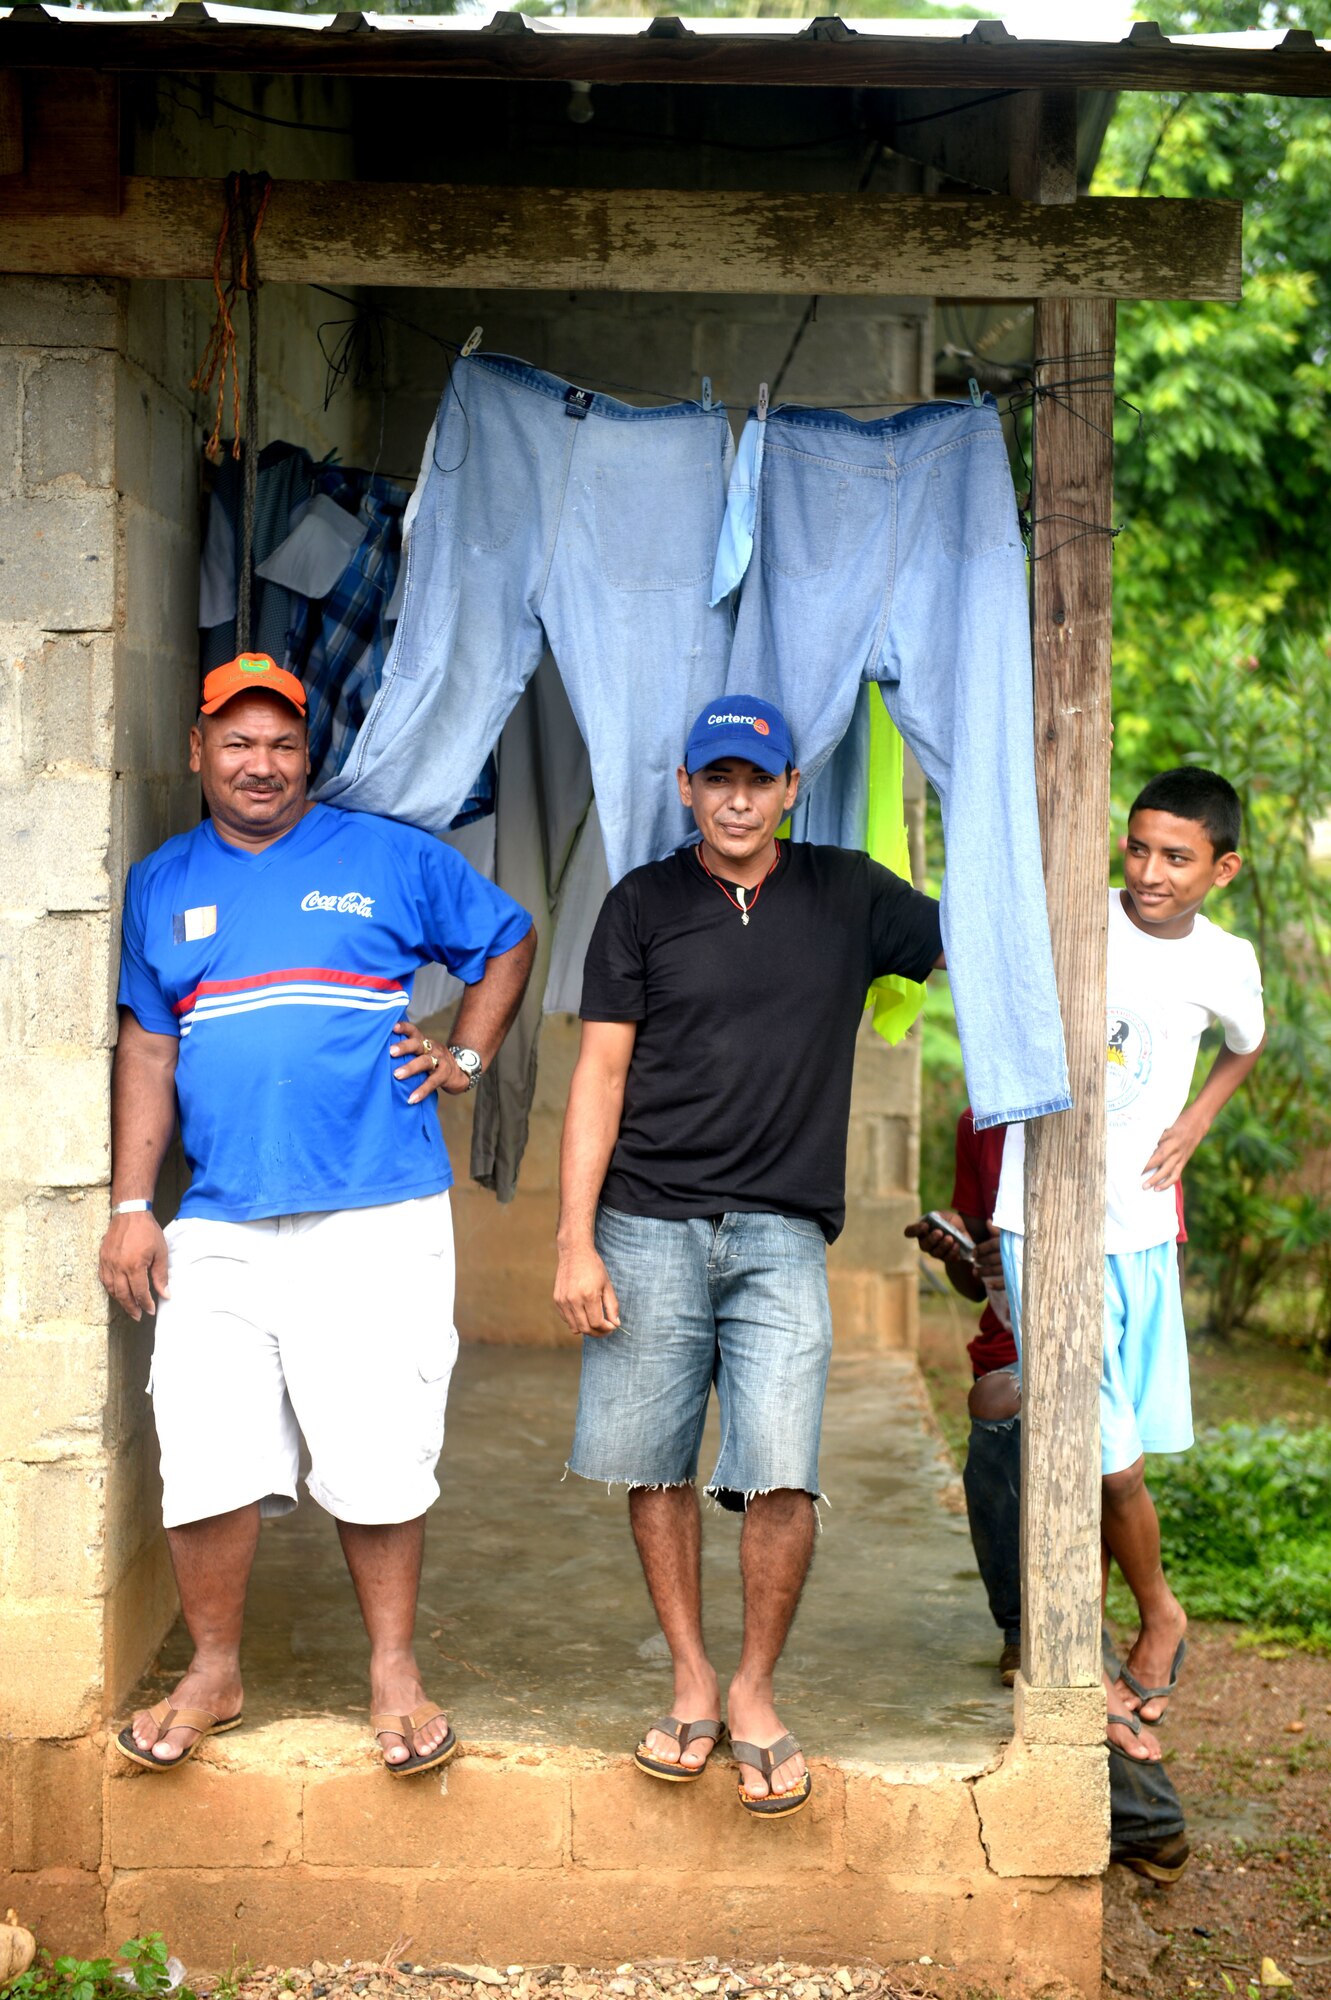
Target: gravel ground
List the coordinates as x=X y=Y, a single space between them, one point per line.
x=655 y=1979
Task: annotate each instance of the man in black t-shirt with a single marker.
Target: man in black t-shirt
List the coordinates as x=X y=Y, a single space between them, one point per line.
x=702 y=1176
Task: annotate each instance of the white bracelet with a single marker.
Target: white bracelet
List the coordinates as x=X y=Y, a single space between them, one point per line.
x=130 y=1207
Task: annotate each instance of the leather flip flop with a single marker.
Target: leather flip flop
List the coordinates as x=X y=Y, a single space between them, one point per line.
x=771 y=1805
x=405 y=1726
x=684 y=1733
x=166 y=1717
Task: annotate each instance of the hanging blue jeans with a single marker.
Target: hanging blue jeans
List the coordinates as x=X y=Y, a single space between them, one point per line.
x=549 y=510
x=890 y=552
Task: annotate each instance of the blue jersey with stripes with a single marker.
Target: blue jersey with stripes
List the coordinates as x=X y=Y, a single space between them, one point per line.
x=283 y=973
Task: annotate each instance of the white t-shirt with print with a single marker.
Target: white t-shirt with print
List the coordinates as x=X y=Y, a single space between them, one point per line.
x=1163 y=993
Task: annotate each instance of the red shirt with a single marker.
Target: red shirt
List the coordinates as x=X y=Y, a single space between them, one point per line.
x=974 y=1192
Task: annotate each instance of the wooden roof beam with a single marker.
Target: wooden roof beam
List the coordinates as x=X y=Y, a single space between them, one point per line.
x=650 y=240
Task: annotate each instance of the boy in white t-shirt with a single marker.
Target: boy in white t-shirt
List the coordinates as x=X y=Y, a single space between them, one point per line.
x=1171 y=974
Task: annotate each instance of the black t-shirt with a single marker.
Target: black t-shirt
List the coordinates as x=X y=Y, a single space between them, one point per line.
x=738 y=1093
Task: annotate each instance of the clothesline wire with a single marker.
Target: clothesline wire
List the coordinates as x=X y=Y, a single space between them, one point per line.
x=1059 y=391
x=212 y=97
x=453 y=347
x=347 y=357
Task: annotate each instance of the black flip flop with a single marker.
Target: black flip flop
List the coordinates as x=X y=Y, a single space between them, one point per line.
x=684 y=1733
x=1133 y=1723
x=1144 y=1694
x=778 y=1805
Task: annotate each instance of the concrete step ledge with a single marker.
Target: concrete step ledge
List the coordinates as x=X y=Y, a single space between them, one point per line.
x=288 y=1843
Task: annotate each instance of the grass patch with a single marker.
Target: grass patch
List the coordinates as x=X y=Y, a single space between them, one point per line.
x=143 y=1969
x=1245 y=1522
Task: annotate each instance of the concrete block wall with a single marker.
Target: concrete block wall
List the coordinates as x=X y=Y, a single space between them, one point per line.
x=100 y=478
x=855 y=351
x=64 y=599
x=287 y=1844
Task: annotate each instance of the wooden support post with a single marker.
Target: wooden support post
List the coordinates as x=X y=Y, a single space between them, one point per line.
x=1062 y=1319
x=1042 y=146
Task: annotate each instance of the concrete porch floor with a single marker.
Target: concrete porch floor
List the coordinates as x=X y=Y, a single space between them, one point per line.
x=536 y=1628
x=925 y=1836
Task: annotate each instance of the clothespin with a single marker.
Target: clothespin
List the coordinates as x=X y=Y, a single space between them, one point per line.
x=707 y=392
x=762 y=402
x=472 y=342
x=976 y=396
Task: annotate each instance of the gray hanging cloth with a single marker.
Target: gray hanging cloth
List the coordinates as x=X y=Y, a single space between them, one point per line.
x=542 y=801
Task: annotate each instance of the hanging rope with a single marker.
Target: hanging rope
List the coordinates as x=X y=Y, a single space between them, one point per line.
x=247 y=198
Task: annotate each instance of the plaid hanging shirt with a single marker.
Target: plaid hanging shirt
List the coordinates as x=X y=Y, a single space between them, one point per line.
x=338 y=645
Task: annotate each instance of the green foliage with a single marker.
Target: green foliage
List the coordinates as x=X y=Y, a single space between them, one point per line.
x=1225 y=490
x=141 y=1968
x=1221 y=624
x=1245 y=1523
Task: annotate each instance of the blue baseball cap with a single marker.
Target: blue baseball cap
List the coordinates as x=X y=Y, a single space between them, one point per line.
x=740 y=725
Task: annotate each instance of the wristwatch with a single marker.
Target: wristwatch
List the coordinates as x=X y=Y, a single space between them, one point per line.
x=468 y=1062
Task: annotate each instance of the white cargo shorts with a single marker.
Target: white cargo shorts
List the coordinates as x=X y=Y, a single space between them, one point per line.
x=338 y=1326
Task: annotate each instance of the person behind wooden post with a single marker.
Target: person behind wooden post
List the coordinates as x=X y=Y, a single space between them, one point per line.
x=307 y=1284
x=1147 y=1831
x=992 y=1472
x=702 y=1176
x=1171 y=974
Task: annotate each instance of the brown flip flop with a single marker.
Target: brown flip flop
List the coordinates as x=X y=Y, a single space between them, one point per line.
x=166 y=1717
x=771 y=1805
x=684 y=1733
x=405 y=1726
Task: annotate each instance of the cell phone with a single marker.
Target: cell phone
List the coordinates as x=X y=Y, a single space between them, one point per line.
x=950 y=1230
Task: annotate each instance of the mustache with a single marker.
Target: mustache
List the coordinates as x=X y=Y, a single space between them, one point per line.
x=260 y=785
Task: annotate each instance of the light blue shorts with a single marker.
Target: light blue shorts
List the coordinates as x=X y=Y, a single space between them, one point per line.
x=735 y=1299
x=1145 y=1397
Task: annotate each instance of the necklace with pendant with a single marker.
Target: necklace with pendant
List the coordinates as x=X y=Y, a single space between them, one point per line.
x=744 y=908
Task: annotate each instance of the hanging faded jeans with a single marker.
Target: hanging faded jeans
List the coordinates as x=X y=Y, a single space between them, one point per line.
x=889 y=551
x=548 y=510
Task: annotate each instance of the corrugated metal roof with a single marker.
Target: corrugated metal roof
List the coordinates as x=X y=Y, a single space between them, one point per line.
x=206 y=35
x=743 y=28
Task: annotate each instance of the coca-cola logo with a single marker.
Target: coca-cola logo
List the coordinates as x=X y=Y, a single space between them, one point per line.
x=352 y=904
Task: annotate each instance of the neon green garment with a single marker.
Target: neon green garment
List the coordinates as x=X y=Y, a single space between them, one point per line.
x=896 y=1002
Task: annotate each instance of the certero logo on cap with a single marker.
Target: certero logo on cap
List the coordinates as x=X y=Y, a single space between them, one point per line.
x=255 y=663
x=742 y=726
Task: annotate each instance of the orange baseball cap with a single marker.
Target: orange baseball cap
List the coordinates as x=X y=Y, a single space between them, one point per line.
x=249 y=673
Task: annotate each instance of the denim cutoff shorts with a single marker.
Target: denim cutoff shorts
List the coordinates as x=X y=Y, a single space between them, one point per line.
x=735 y=1299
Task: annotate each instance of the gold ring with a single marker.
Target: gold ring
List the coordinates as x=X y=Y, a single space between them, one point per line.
x=427 y=1045
x=434 y=1062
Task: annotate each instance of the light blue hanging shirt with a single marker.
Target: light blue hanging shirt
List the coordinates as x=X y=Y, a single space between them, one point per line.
x=735 y=546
